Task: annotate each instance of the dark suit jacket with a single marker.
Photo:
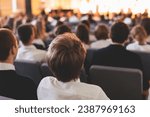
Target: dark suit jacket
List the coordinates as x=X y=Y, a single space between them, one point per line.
x=118 y=56
x=15 y=86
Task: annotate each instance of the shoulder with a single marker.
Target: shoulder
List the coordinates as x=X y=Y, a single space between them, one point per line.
x=130 y=46
x=46 y=81
x=132 y=54
x=95 y=91
x=40 y=51
x=25 y=80
x=90 y=87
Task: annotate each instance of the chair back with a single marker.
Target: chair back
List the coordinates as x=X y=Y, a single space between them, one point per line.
x=88 y=59
x=45 y=70
x=30 y=69
x=145 y=58
x=5 y=98
x=118 y=83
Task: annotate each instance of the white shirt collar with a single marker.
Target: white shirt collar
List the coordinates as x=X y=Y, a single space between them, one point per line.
x=28 y=47
x=60 y=82
x=6 y=66
x=77 y=80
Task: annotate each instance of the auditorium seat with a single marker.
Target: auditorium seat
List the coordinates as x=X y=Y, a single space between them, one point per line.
x=88 y=59
x=145 y=57
x=5 y=98
x=118 y=83
x=45 y=70
x=30 y=69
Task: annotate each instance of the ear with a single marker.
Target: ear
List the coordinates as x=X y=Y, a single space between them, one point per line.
x=14 y=49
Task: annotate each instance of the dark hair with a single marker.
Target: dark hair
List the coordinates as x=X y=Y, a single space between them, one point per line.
x=86 y=22
x=119 y=32
x=83 y=33
x=7 y=41
x=61 y=29
x=7 y=27
x=24 y=32
x=59 y=23
x=101 y=32
x=65 y=57
x=146 y=24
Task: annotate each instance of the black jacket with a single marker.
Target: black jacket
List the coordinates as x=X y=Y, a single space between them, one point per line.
x=15 y=86
x=118 y=56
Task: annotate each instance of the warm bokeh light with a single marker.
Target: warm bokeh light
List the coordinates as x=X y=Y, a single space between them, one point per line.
x=137 y=6
x=85 y=6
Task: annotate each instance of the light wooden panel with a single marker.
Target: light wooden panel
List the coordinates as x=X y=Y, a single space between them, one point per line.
x=21 y=5
x=5 y=7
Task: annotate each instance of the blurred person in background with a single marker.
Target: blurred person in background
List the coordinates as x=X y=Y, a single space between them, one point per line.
x=13 y=85
x=82 y=33
x=140 y=37
x=27 y=50
x=102 y=35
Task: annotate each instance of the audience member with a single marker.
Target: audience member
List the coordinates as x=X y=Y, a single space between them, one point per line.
x=91 y=36
x=146 y=24
x=28 y=51
x=65 y=58
x=40 y=35
x=82 y=33
x=102 y=36
x=61 y=29
x=12 y=85
x=116 y=55
x=140 y=36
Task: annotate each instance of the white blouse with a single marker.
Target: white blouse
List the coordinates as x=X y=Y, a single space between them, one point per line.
x=52 y=89
x=135 y=46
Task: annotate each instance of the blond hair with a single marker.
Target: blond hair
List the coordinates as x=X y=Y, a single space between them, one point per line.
x=139 y=33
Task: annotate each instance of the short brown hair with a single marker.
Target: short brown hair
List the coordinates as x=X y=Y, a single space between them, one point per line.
x=66 y=56
x=7 y=41
x=101 y=32
x=61 y=29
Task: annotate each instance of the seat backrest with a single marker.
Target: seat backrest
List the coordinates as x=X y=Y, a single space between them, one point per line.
x=145 y=57
x=88 y=58
x=30 y=69
x=118 y=83
x=5 y=98
x=45 y=70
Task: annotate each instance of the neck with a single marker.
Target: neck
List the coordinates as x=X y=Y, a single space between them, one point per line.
x=7 y=61
x=142 y=43
x=27 y=44
x=121 y=44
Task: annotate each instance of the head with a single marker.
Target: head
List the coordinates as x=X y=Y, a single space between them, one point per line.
x=101 y=32
x=26 y=33
x=119 y=32
x=146 y=24
x=87 y=23
x=139 y=33
x=83 y=33
x=40 y=29
x=59 y=23
x=65 y=57
x=8 y=46
x=61 y=29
